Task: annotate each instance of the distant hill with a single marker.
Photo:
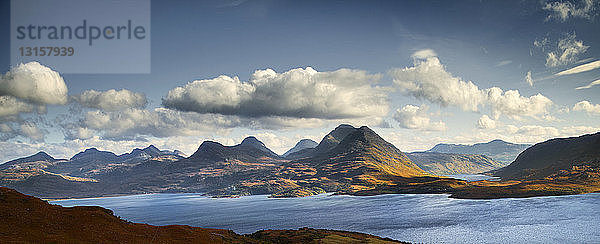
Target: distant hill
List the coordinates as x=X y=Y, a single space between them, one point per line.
x=38 y=157
x=499 y=150
x=553 y=156
x=301 y=145
x=27 y=219
x=327 y=143
x=249 y=150
x=452 y=163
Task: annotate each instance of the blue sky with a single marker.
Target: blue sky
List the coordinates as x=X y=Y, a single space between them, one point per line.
x=433 y=64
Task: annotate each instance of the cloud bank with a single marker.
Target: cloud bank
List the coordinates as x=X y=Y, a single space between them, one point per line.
x=429 y=80
x=111 y=100
x=298 y=93
x=587 y=107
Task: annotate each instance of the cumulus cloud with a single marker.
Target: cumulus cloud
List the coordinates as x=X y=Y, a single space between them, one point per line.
x=28 y=88
x=593 y=83
x=528 y=78
x=428 y=79
x=485 y=122
x=35 y=83
x=567 y=52
x=299 y=93
x=111 y=100
x=580 y=68
x=564 y=10
x=587 y=107
x=30 y=130
x=160 y=122
x=11 y=106
x=512 y=104
x=415 y=117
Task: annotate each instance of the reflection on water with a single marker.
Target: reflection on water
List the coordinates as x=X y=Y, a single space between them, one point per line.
x=408 y=217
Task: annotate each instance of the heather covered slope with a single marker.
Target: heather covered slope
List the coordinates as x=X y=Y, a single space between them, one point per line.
x=27 y=219
x=362 y=152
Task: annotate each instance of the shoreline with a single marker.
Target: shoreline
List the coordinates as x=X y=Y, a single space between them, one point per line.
x=329 y=194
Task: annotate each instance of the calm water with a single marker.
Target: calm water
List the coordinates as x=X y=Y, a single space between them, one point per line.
x=415 y=218
x=474 y=177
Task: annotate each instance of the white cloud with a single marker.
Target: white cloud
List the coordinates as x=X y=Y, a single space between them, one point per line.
x=428 y=79
x=503 y=63
x=587 y=107
x=541 y=43
x=528 y=78
x=485 y=122
x=11 y=106
x=299 y=93
x=512 y=104
x=564 y=10
x=28 y=88
x=424 y=54
x=30 y=130
x=567 y=52
x=415 y=117
x=593 y=83
x=111 y=100
x=580 y=68
x=160 y=122
x=35 y=83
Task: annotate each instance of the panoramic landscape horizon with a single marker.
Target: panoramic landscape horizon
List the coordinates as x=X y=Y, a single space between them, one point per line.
x=263 y=121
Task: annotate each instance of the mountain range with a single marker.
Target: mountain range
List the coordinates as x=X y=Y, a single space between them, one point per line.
x=498 y=150
x=348 y=160
x=453 y=163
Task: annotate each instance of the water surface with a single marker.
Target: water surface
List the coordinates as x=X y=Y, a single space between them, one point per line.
x=408 y=217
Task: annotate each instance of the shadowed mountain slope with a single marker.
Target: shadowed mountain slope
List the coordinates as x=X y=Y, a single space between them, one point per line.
x=301 y=145
x=552 y=156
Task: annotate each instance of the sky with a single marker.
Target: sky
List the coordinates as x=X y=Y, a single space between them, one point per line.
x=418 y=73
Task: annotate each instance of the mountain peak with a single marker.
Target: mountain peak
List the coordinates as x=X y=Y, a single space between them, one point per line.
x=42 y=154
x=361 y=151
x=151 y=147
x=301 y=145
x=344 y=126
x=251 y=140
x=95 y=154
